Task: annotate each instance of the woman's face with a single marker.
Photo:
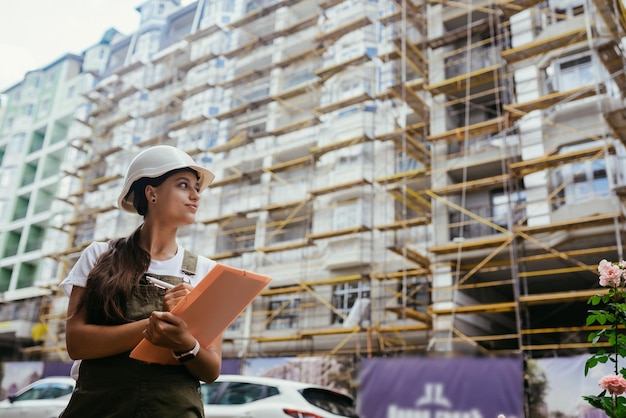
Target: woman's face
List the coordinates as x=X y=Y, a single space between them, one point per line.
x=177 y=199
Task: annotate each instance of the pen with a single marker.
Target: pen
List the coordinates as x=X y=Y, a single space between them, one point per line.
x=159 y=283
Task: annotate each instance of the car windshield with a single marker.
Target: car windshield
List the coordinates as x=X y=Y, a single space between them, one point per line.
x=330 y=401
x=45 y=391
x=210 y=392
x=235 y=393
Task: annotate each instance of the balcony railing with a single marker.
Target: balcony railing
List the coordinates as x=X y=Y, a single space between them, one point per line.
x=462 y=226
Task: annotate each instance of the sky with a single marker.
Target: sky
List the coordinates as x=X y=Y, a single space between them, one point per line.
x=35 y=33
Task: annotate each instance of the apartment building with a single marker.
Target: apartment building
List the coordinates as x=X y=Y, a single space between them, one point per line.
x=414 y=175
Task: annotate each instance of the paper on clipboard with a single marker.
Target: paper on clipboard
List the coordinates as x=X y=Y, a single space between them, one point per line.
x=209 y=308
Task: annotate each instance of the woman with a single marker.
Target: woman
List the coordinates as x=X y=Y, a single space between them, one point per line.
x=113 y=305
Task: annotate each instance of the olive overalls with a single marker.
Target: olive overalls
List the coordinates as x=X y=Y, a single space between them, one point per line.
x=118 y=386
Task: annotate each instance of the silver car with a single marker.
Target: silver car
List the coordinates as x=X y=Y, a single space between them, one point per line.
x=237 y=396
x=45 y=398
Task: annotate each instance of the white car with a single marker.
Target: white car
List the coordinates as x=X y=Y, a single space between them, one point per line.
x=45 y=398
x=236 y=396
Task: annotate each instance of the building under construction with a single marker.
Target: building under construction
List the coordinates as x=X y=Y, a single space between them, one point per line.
x=416 y=176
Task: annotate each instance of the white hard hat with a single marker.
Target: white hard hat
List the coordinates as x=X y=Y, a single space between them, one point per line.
x=154 y=162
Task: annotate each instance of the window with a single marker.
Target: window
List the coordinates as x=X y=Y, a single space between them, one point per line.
x=406 y=163
x=569 y=73
x=371 y=52
x=17 y=144
x=236 y=324
x=288 y=225
x=349 y=88
x=284 y=312
x=330 y=401
x=563 y=12
x=575 y=73
x=347 y=214
x=416 y=296
x=589 y=180
x=239 y=235
x=347 y=112
x=580 y=181
x=297 y=78
x=256 y=92
x=345 y=296
x=251 y=6
x=503 y=204
x=44 y=107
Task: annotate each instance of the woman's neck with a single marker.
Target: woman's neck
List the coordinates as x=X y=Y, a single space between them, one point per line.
x=160 y=244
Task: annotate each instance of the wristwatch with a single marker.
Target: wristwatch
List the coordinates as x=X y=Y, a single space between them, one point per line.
x=188 y=355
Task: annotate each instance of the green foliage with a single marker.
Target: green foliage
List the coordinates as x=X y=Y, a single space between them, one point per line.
x=614 y=407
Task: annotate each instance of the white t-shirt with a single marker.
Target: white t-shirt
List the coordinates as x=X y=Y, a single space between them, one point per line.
x=171 y=267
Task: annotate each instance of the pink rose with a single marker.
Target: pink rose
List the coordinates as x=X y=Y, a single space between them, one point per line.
x=602 y=264
x=610 y=275
x=614 y=383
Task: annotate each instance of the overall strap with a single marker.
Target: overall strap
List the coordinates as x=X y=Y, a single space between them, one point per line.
x=190 y=262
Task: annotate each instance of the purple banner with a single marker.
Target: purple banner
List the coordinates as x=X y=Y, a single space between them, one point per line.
x=56 y=368
x=441 y=388
x=231 y=366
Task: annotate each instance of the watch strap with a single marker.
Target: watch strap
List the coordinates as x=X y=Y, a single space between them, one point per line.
x=188 y=355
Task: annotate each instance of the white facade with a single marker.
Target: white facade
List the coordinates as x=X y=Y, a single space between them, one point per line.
x=386 y=166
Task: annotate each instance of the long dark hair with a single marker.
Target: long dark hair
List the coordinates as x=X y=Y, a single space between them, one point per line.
x=117 y=271
x=111 y=280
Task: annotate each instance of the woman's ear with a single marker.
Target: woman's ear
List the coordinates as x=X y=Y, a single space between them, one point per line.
x=150 y=194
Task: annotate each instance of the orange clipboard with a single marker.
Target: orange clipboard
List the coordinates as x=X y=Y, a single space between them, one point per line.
x=215 y=303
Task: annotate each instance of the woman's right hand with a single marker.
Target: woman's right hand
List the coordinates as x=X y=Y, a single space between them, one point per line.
x=174 y=295
x=166 y=330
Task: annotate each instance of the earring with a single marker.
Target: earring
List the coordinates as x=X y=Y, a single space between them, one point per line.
x=154 y=200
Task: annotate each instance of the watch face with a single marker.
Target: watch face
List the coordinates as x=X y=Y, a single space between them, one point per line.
x=186 y=357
